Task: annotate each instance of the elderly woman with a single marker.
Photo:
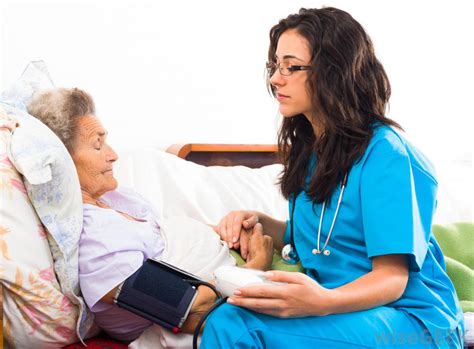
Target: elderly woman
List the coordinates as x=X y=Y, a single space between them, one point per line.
x=121 y=229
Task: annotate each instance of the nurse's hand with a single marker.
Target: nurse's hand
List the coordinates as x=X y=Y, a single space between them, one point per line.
x=301 y=296
x=235 y=229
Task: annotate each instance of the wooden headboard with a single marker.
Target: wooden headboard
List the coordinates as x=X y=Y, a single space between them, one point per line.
x=250 y=155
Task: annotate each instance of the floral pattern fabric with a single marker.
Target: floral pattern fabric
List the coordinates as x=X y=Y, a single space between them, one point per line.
x=50 y=180
x=36 y=313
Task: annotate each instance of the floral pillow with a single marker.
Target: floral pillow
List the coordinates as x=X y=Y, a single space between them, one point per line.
x=36 y=313
x=51 y=183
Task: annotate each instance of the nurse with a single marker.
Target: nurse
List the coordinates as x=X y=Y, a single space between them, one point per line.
x=361 y=202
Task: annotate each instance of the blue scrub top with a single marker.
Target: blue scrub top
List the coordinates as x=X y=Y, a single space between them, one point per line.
x=387 y=208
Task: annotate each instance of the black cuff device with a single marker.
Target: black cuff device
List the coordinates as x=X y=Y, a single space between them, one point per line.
x=160 y=293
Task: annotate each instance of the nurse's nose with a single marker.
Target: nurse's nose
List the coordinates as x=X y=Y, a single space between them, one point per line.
x=277 y=79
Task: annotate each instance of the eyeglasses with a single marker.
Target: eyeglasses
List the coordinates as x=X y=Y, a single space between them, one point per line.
x=284 y=68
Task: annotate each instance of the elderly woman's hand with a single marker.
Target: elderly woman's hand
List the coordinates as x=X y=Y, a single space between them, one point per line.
x=260 y=249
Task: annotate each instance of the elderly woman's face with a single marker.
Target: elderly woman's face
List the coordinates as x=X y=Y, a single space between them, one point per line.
x=93 y=157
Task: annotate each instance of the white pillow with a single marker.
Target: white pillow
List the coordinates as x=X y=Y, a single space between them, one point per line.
x=179 y=187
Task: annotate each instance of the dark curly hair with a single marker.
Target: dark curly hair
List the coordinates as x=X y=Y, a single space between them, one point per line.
x=350 y=92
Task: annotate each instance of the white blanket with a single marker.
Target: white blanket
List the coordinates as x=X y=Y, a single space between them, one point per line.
x=196 y=248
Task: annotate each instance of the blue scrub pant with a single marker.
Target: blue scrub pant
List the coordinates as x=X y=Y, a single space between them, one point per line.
x=234 y=327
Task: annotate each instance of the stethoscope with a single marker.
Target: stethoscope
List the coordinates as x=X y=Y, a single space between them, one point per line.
x=289 y=253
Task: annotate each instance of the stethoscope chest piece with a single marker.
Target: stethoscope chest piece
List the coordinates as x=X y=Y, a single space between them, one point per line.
x=289 y=255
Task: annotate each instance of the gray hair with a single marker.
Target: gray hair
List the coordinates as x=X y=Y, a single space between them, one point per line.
x=59 y=108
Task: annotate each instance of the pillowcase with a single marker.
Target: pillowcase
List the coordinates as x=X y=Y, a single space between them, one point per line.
x=36 y=313
x=51 y=183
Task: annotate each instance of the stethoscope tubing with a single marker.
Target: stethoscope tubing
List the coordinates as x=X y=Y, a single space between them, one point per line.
x=293 y=256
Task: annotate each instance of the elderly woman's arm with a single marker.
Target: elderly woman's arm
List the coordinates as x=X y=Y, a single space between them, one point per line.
x=204 y=300
x=259 y=257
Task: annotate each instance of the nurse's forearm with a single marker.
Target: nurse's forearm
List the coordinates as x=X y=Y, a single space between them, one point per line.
x=274 y=228
x=384 y=284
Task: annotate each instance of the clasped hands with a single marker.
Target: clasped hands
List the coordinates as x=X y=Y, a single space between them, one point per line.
x=258 y=255
x=299 y=296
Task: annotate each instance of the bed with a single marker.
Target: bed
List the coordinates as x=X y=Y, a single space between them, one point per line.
x=206 y=192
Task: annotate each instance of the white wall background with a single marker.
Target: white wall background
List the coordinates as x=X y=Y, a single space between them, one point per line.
x=164 y=72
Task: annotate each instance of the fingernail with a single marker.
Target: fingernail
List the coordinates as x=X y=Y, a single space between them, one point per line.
x=230 y=300
x=237 y=293
x=230 y=244
x=234 y=239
